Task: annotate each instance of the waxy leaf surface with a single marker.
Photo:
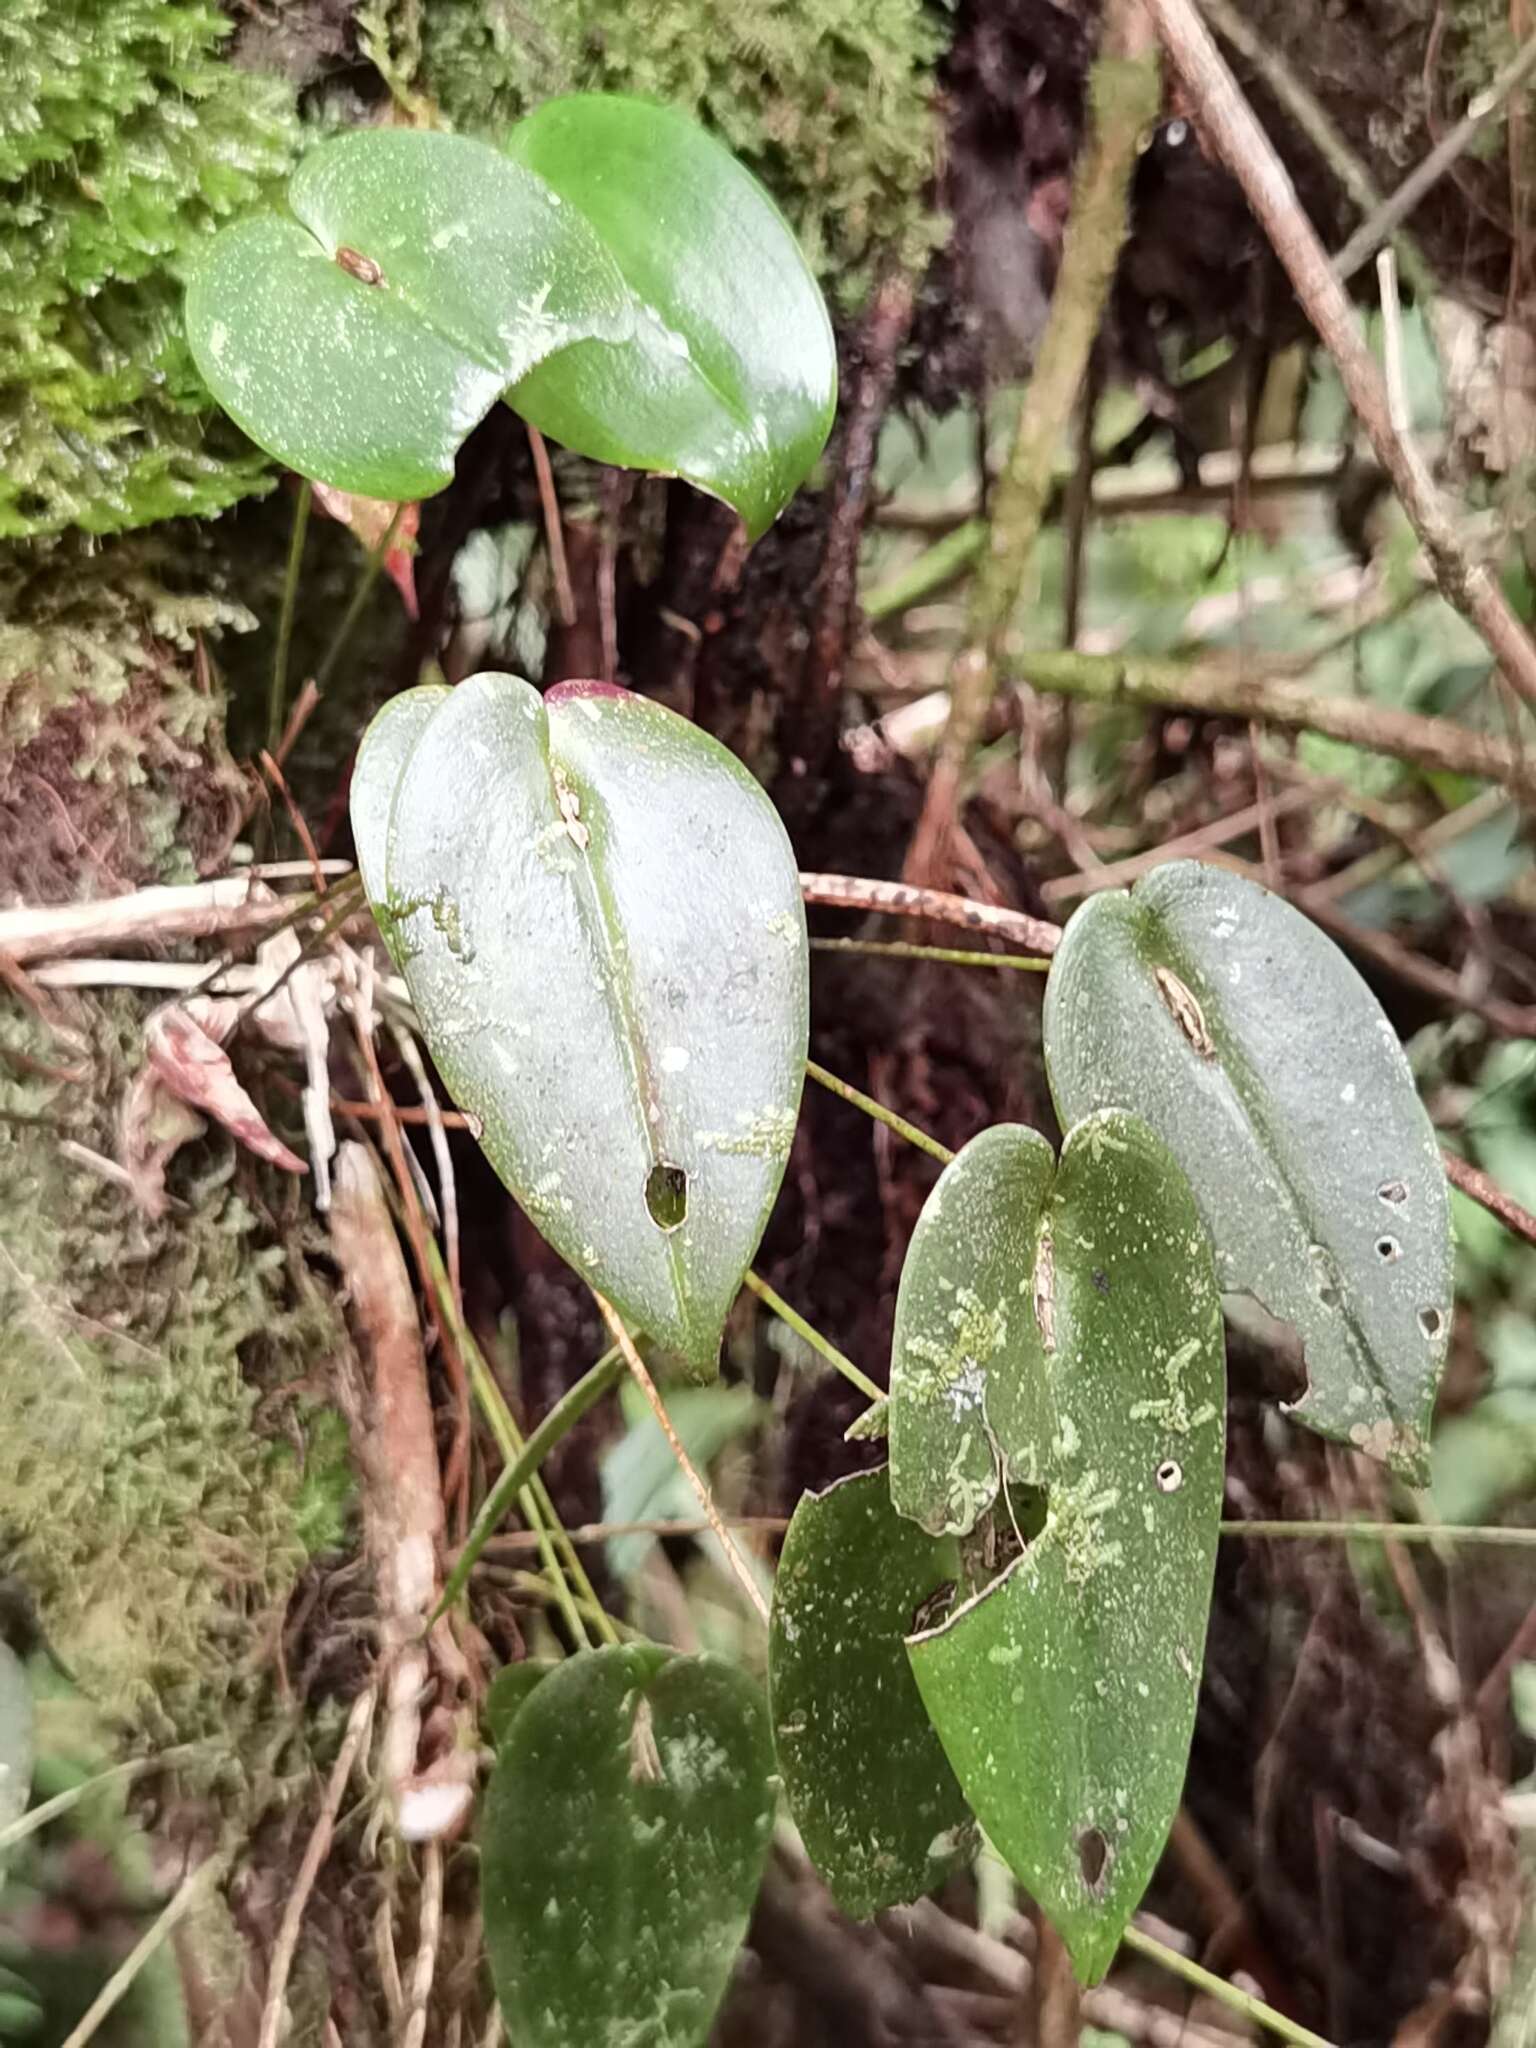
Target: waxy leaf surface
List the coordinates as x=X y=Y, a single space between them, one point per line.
x=867 y=1780
x=730 y=376
x=598 y=914
x=1064 y=1690
x=418 y=276
x=1244 y=1037
x=625 y=1828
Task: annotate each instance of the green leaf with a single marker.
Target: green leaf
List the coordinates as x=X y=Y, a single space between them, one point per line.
x=598 y=914
x=16 y=1737
x=730 y=379
x=625 y=1829
x=382 y=754
x=1249 y=1043
x=967 y=1364
x=641 y=1479
x=509 y=1692
x=472 y=272
x=1064 y=1692
x=868 y=1783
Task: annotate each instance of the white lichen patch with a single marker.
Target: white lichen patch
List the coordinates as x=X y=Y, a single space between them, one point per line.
x=1172 y=1411
x=764 y=1134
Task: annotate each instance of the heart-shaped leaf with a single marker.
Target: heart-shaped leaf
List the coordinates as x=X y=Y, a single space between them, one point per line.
x=16 y=1737
x=1248 y=1042
x=868 y=1783
x=598 y=913
x=419 y=276
x=384 y=750
x=967 y=1357
x=1064 y=1691
x=730 y=378
x=625 y=1829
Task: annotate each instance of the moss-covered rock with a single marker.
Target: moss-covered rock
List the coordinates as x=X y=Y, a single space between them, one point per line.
x=125 y=138
x=827 y=100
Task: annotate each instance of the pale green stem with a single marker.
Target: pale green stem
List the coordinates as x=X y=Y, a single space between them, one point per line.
x=190 y=1891
x=949 y=956
x=879 y=1112
x=62 y=1802
x=823 y=1346
x=1386 y=1532
x=349 y=618
x=277 y=701
x=1224 y=1993
x=524 y=1467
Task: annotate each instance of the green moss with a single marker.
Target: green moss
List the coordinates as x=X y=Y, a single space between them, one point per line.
x=827 y=100
x=156 y=1525
x=125 y=138
x=113 y=769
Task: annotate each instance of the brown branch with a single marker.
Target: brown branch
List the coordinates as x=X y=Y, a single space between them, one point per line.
x=1124 y=93
x=1222 y=690
x=1228 y=119
x=1474 y=1182
x=885 y=328
x=905 y=899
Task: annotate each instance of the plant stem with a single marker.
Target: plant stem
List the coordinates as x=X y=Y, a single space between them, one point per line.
x=350 y=616
x=188 y=1893
x=1248 y=693
x=1218 y=1988
x=561 y=1419
x=1386 y=1532
x=880 y=1113
x=116 y=1774
x=947 y=558
x=905 y=899
x=686 y=1466
x=898 y=949
x=277 y=699
x=822 y=1346
x=1124 y=90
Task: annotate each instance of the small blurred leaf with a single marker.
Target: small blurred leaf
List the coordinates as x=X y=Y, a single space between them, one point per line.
x=597 y=911
x=1248 y=1042
x=641 y=1480
x=624 y=1834
x=868 y=1783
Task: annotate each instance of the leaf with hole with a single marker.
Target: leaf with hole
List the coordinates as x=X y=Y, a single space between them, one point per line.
x=867 y=1781
x=16 y=1737
x=1064 y=1689
x=730 y=376
x=1249 y=1043
x=359 y=337
x=624 y=1834
x=597 y=911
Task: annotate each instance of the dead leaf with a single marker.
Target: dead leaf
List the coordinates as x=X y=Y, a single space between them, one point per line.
x=370 y=520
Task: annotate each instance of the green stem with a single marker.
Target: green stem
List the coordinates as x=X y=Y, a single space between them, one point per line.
x=879 y=1112
x=350 y=616
x=537 y=1508
x=524 y=1467
x=117 y=1774
x=1385 y=1532
x=1218 y=1988
x=933 y=569
x=822 y=1346
x=277 y=701
x=191 y=1890
x=902 y=949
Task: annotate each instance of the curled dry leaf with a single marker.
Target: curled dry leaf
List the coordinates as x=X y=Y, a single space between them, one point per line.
x=371 y=520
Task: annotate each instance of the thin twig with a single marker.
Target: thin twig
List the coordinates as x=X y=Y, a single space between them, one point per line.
x=193 y=910
x=1228 y=119
x=809 y=1334
x=191 y=1889
x=278 y=691
x=939 y=906
x=689 y=1470
x=316 y=1850
x=429 y=1929
x=1477 y=1534
x=1224 y=1993
x=948 y=956
x=554 y=529
x=1475 y=1183
x=880 y=1113
x=1368 y=237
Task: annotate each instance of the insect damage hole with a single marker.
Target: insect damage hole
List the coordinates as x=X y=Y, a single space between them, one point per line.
x=666 y=1196
x=1169 y=1476
x=1431 y=1322
x=1388 y=1250
x=1393 y=1192
x=1093 y=1857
